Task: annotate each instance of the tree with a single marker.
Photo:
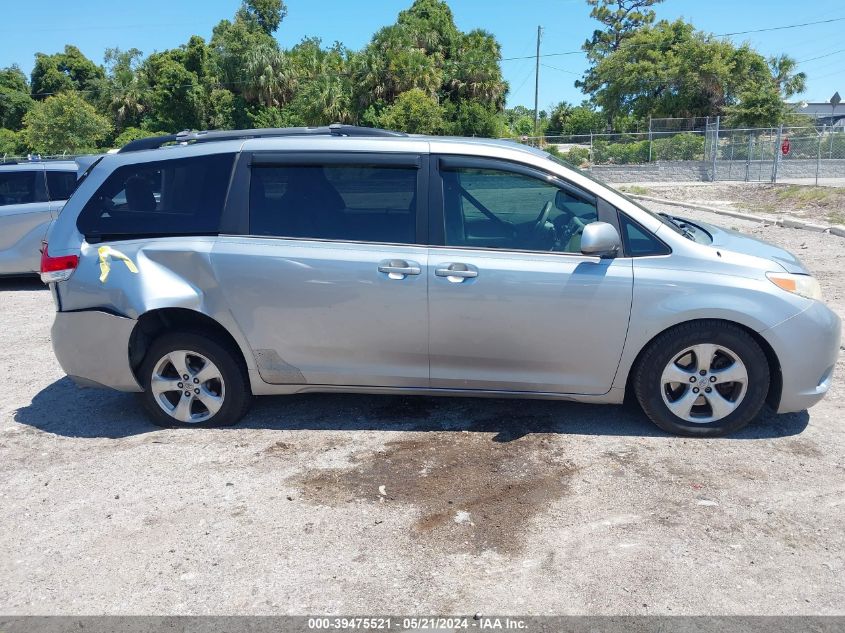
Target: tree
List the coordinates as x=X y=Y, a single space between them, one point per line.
x=758 y=105
x=233 y=42
x=567 y=120
x=621 y=18
x=176 y=98
x=69 y=70
x=266 y=14
x=64 y=123
x=672 y=70
x=415 y=112
x=125 y=97
x=788 y=81
x=15 y=101
x=270 y=79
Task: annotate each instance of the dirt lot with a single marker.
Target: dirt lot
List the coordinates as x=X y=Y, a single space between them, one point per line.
x=819 y=204
x=372 y=504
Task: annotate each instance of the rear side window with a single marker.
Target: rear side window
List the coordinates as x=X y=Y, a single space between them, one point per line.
x=20 y=187
x=181 y=196
x=363 y=203
x=60 y=184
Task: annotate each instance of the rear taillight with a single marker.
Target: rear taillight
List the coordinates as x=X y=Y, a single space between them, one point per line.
x=57 y=268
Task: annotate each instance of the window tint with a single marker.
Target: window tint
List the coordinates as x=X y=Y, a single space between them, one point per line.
x=182 y=196
x=337 y=202
x=638 y=241
x=489 y=208
x=60 y=184
x=18 y=187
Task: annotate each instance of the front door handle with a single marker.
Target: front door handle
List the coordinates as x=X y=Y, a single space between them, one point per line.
x=398 y=268
x=456 y=273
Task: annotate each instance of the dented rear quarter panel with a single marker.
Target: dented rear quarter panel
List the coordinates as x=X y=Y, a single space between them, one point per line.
x=174 y=272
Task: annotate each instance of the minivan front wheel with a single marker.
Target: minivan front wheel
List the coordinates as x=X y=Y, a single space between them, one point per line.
x=705 y=378
x=190 y=379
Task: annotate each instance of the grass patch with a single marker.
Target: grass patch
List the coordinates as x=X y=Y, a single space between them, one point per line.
x=805 y=196
x=836 y=217
x=636 y=190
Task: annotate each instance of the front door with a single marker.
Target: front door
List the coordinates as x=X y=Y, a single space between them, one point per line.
x=329 y=287
x=513 y=305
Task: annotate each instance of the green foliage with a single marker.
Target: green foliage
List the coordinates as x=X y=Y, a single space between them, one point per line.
x=577 y=156
x=11 y=143
x=64 y=123
x=267 y=15
x=416 y=112
x=620 y=19
x=678 y=147
x=471 y=118
x=569 y=121
x=133 y=134
x=758 y=106
x=788 y=81
x=175 y=95
x=670 y=69
x=14 y=105
x=419 y=74
x=69 y=70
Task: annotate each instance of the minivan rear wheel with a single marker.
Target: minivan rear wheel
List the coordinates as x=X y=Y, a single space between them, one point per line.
x=704 y=378
x=190 y=379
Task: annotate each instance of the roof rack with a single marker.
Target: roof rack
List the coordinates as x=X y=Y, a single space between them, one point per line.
x=335 y=129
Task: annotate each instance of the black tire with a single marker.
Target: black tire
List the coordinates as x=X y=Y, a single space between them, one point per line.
x=237 y=395
x=666 y=348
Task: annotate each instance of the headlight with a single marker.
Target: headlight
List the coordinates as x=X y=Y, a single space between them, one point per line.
x=802 y=285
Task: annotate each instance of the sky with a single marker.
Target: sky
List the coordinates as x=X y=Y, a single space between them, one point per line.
x=95 y=25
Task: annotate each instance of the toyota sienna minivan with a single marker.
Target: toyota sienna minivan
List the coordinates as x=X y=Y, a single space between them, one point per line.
x=204 y=268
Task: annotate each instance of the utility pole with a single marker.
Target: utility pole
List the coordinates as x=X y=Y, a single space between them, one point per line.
x=537 y=83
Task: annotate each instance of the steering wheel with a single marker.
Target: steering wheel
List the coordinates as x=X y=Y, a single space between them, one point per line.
x=540 y=222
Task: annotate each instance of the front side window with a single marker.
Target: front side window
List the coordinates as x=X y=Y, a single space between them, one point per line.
x=60 y=184
x=490 y=208
x=182 y=196
x=365 y=203
x=18 y=187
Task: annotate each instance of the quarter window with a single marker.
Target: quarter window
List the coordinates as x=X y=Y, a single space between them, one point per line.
x=362 y=203
x=490 y=208
x=182 y=196
x=60 y=184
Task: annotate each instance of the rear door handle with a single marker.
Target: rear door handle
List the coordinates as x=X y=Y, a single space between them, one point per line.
x=398 y=268
x=456 y=273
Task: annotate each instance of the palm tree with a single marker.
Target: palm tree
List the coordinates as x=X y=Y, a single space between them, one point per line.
x=783 y=72
x=270 y=79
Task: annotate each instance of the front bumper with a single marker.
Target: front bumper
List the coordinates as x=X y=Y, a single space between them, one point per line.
x=807 y=346
x=93 y=348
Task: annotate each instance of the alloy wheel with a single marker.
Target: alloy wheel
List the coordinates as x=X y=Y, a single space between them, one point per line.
x=704 y=383
x=187 y=386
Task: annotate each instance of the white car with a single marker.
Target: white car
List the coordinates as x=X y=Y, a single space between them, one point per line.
x=31 y=195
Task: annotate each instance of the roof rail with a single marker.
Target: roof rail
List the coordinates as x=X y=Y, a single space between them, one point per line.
x=335 y=129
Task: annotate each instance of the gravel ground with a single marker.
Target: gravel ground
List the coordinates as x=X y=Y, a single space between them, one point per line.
x=824 y=205
x=375 y=504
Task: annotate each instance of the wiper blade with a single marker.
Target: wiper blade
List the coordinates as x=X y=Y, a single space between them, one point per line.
x=683 y=227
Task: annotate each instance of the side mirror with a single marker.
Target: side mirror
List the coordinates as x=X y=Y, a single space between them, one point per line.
x=600 y=239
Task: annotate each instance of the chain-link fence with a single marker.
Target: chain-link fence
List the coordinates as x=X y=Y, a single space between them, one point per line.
x=699 y=149
x=9 y=158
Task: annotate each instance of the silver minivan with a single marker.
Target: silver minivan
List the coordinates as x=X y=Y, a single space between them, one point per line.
x=200 y=269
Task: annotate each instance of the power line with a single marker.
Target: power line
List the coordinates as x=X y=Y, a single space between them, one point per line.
x=811 y=59
x=563 y=70
x=772 y=28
